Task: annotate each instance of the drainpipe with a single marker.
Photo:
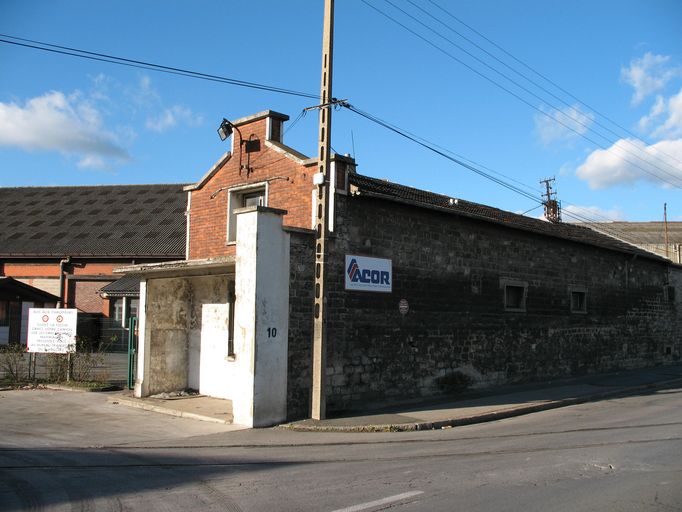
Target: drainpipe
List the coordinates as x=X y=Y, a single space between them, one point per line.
x=62 y=293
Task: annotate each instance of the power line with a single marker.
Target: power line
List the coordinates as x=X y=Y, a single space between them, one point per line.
x=614 y=232
x=533 y=82
x=536 y=72
x=102 y=57
x=432 y=148
x=523 y=100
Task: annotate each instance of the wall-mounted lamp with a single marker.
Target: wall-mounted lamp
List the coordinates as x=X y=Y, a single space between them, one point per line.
x=250 y=146
x=225 y=130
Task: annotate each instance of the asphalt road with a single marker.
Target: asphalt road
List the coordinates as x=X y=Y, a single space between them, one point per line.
x=74 y=451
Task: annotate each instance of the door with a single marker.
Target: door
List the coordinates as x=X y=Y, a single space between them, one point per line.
x=214 y=353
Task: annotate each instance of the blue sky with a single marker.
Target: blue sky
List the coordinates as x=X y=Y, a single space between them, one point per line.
x=65 y=120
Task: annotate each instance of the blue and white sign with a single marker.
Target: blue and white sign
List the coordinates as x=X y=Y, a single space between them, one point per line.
x=369 y=274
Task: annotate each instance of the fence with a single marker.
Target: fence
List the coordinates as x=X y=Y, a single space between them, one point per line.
x=110 y=367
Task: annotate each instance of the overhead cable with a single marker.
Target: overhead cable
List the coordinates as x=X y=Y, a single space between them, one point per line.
x=102 y=57
x=528 y=103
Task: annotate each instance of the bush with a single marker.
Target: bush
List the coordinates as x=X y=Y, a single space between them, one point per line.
x=83 y=362
x=454 y=382
x=12 y=362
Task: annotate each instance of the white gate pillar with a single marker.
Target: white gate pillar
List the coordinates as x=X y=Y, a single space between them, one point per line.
x=261 y=317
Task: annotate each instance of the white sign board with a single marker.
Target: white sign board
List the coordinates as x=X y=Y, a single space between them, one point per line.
x=369 y=274
x=51 y=330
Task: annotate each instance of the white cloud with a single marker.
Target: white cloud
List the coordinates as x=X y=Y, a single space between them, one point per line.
x=171 y=117
x=617 y=165
x=562 y=124
x=654 y=114
x=57 y=122
x=672 y=110
x=575 y=213
x=647 y=75
x=92 y=162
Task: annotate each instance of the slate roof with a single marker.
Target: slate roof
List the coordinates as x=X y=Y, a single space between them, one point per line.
x=97 y=221
x=372 y=187
x=127 y=286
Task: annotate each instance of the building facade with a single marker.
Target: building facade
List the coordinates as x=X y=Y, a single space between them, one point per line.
x=67 y=241
x=427 y=293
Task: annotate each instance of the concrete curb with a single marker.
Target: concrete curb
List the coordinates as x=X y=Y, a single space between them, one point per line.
x=103 y=389
x=480 y=418
x=165 y=410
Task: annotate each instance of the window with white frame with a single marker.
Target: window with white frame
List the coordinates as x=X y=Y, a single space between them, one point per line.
x=242 y=197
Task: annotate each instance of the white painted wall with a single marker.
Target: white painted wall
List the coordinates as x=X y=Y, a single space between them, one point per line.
x=142 y=368
x=214 y=346
x=258 y=375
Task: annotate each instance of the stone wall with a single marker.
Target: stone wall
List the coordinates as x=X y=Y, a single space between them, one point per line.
x=452 y=271
x=167 y=320
x=302 y=261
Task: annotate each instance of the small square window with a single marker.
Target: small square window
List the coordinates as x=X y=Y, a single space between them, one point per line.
x=578 y=300
x=514 y=297
x=242 y=198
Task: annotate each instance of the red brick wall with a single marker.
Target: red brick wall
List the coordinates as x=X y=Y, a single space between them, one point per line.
x=292 y=191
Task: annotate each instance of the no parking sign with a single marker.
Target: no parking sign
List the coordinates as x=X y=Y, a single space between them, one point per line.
x=52 y=331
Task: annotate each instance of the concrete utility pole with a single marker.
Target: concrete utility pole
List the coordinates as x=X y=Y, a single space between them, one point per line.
x=552 y=205
x=321 y=211
x=665 y=223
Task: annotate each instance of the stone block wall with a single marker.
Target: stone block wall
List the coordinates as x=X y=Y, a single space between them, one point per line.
x=452 y=271
x=301 y=279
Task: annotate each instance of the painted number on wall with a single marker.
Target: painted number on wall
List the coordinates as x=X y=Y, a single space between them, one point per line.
x=272 y=332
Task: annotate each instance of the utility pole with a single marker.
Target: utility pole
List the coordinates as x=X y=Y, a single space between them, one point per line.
x=321 y=211
x=552 y=205
x=665 y=223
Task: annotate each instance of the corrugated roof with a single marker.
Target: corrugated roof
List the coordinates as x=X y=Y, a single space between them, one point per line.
x=366 y=185
x=128 y=285
x=118 y=220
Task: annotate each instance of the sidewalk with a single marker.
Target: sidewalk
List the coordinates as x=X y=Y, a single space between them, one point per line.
x=498 y=403
x=475 y=407
x=196 y=407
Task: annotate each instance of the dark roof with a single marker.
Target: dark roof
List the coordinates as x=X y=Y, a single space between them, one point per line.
x=384 y=189
x=11 y=289
x=98 y=221
x=127 y=286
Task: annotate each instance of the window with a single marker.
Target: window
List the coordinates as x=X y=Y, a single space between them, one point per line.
x=514 y=294
x=578 y=302
x=669 y=294
x=117 y=310
x=4 y=313
x=230 y=327
x=578 y=297
x=242 y=198
x=134 y=307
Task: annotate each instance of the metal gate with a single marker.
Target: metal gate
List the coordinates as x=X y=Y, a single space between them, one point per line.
x=132 y=350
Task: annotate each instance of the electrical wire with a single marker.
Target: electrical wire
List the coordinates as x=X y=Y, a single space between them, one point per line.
x=582 y=218
x=533 y=70
x=523 y=100
x=102 y=57
x=442 y=153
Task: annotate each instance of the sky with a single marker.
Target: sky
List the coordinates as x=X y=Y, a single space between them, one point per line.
x=587 y=92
